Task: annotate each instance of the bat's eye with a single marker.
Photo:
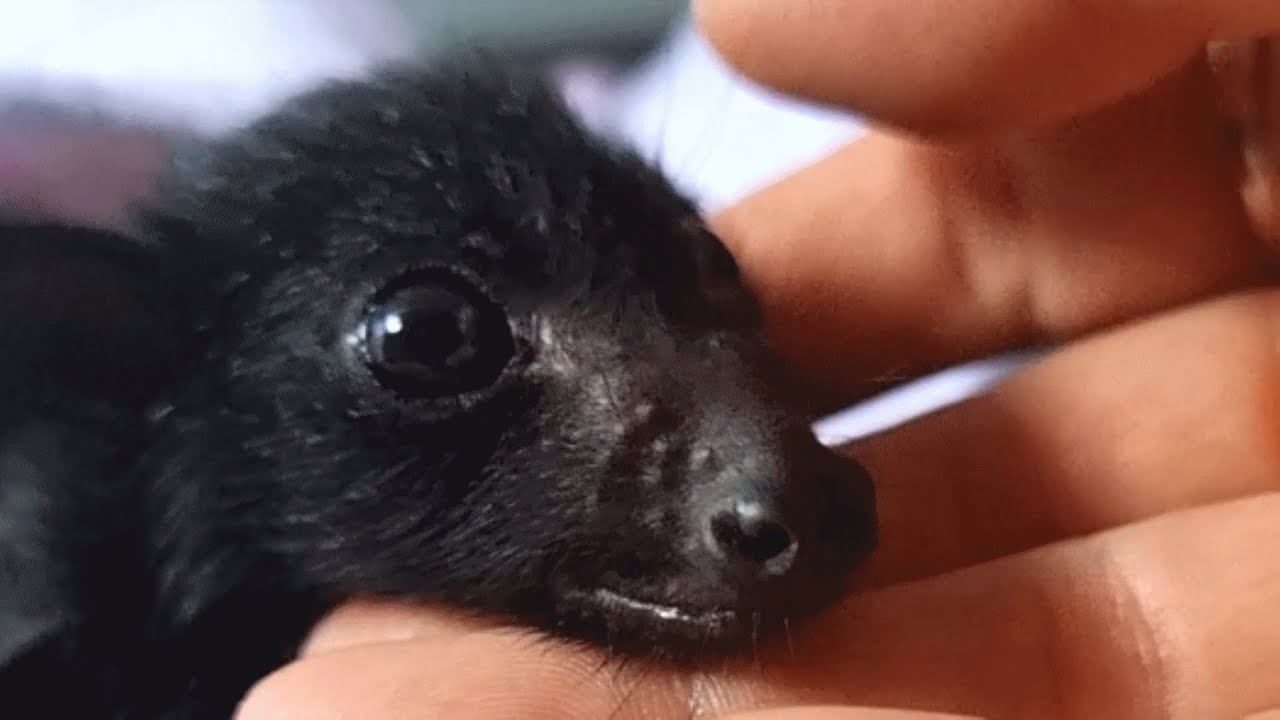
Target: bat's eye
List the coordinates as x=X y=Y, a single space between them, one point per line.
x=433 y=334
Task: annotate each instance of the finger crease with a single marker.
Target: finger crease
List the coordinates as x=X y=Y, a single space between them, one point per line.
x=1160 y=682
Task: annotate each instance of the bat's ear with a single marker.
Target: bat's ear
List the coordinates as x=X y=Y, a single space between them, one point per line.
x=31 y=610
x=87 y=311
x=91 y=321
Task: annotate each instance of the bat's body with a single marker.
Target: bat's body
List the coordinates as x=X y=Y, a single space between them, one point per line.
x=417 y=336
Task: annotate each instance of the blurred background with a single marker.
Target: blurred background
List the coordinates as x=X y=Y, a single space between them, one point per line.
x=90 y=89
x=634 y=69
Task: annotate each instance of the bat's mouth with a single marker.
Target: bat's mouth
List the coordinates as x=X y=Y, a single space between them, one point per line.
x=616 y=602
x=657 y=628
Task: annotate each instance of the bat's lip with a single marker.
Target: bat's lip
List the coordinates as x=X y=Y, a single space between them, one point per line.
x=614 y=600
x=649 y=618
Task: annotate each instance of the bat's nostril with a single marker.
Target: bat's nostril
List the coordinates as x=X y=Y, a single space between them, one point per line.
x=753 y=535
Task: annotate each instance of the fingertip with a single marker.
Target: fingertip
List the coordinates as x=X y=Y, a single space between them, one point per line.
x=285 y=693
x=825 y=712
x=393 y=679
x=718 y=23
x=971 y=68
x=850 y=260
x=774 y=43
x=364 y=622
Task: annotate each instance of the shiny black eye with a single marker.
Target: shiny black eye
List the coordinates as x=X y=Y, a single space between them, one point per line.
x=433 y=334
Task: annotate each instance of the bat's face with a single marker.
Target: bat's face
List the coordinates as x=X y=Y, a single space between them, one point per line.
x=505 y=369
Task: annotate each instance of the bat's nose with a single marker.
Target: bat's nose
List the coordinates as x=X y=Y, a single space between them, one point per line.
x=752 y=535
x=747 y=528
x=770 y=514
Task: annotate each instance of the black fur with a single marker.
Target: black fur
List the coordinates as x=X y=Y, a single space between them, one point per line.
x=204 y=445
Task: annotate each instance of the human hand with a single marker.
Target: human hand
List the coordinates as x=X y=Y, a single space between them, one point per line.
x=1037 y=170
x=1167 y=611
x=1091 y=539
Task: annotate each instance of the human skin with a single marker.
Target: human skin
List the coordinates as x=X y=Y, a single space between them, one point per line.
x=1093 y=538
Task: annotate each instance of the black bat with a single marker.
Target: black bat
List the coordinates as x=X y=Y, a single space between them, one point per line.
x=416 y=336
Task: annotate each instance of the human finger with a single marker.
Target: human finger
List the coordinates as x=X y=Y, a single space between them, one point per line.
x=1172 y=617
x=364 y=621
x=968 y=66
x=1167 y=413
x=835 y=712
x=891 y=257
x=1248 y=73
x=1130 y=623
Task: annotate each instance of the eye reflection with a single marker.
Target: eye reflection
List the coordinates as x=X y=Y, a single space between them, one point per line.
x=392 y=324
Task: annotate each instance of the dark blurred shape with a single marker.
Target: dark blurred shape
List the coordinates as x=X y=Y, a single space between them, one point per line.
x=540 y=31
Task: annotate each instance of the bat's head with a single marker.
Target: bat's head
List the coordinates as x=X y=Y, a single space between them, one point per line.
x=484 y=360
